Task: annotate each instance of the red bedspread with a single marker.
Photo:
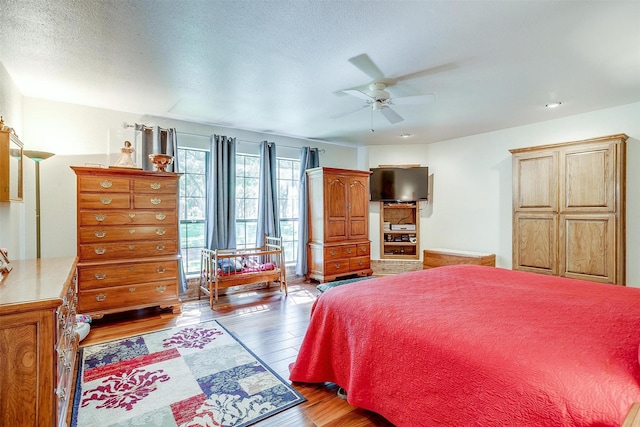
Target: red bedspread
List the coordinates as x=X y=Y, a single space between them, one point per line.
x=472 y=345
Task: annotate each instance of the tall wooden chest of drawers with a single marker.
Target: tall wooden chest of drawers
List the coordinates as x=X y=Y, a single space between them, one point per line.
x=38 y=344
x=127 y=240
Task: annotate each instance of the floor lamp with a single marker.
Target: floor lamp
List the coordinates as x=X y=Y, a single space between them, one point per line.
x=37 y=156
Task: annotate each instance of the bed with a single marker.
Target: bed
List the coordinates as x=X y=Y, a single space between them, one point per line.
x=473 y=345
x=224 y=268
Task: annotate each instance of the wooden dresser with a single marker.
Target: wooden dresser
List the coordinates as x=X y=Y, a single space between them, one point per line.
x=127 y=240
x=38 y=344
x=338 y=223
x=439 y=257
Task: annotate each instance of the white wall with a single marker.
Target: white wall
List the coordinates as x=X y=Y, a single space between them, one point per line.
x=470 y=207
x=81 y=136
x=12 y=214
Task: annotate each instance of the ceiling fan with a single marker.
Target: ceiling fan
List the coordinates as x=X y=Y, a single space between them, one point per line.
x=378 y=99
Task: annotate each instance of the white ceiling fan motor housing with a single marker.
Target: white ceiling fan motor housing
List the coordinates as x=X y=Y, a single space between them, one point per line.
x=378 y=93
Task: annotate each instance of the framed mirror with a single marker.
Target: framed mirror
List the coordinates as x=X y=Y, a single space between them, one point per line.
x=11 y=167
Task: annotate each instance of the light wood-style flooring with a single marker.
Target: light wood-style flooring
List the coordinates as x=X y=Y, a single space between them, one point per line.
x=272 y=326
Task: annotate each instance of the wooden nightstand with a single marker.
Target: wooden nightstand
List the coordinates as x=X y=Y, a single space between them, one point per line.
x=439 y=257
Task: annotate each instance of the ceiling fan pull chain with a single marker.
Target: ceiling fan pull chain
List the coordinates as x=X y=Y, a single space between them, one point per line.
x=372 y=121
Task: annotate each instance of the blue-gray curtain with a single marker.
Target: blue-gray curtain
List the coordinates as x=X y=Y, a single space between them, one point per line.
x=268 y=217
x=163 y=141
x=157 y=141
x=309 y=158
x=221 y=193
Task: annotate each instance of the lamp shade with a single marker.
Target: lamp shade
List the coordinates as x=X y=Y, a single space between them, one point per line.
x=37 y=156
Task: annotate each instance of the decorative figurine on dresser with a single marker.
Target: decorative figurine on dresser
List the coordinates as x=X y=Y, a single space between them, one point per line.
x=127 y=240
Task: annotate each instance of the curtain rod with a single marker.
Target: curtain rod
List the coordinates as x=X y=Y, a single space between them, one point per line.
x=143 y=127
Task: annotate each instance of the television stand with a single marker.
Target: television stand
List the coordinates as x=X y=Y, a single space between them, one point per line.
x=399 y=230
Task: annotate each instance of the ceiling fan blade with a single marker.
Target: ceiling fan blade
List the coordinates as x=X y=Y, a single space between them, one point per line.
x=391 y=115
x=366 y=65
x=428 y=71
x=414 y=100
x=345 y=113
x=358 y=94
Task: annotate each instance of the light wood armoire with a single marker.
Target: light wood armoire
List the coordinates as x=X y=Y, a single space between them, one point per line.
x=127 y=240
x=569 y=209
x=338 y=223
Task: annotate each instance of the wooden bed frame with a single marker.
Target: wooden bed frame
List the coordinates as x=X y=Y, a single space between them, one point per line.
x=253 y=262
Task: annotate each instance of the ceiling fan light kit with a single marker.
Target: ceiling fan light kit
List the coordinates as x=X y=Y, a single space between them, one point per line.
x=378 y=99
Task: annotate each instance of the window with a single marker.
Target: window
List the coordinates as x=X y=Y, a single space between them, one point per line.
x=192 y=164
x=288 y=183
x=247 y=186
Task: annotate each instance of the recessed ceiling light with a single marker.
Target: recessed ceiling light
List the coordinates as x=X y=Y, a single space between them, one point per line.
x=553 y=104
x=405 y=135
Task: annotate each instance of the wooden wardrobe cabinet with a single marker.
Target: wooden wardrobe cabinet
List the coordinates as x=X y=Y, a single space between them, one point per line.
x=127 y=240
x=338 y=223
x=569 y=209
x=38 y=343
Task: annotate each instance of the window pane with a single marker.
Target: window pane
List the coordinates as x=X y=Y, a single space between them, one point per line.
x=252 y=166
x=252 y=228
x=252 y=187
x=251 y=209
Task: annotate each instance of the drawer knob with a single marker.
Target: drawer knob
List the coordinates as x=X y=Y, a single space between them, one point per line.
x=333 y=252
x=132 y=247
x=105 y=200
x=100 y=233
x=132 y=289
x=101 y=297
x=337 y=265
x=101 y=275
x=161 y=288
x=160 y=216
x=363 y=249
x=360 y=262
x=132 y=269
x=161 y=231
x=132 y=215
x=348 y=250
x=132 y=230
x=160 y=270
x=106 y=184
x=160 y=247
x=155 y=186
x=100 y=217
x=100 y=250
x=156 y=201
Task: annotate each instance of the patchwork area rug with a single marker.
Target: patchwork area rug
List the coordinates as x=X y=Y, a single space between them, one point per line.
x=198 y=375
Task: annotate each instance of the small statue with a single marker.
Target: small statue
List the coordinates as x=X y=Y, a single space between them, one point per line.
x=126 y=159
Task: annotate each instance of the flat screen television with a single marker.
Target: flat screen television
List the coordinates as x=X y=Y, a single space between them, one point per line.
x=399 y=184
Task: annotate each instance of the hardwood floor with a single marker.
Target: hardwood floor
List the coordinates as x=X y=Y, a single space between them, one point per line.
x=272 y=326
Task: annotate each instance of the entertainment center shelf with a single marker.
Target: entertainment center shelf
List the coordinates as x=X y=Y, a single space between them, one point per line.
x=399 y=231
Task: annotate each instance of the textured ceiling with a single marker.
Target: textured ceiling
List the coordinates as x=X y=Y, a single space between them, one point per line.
x=280 y=66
